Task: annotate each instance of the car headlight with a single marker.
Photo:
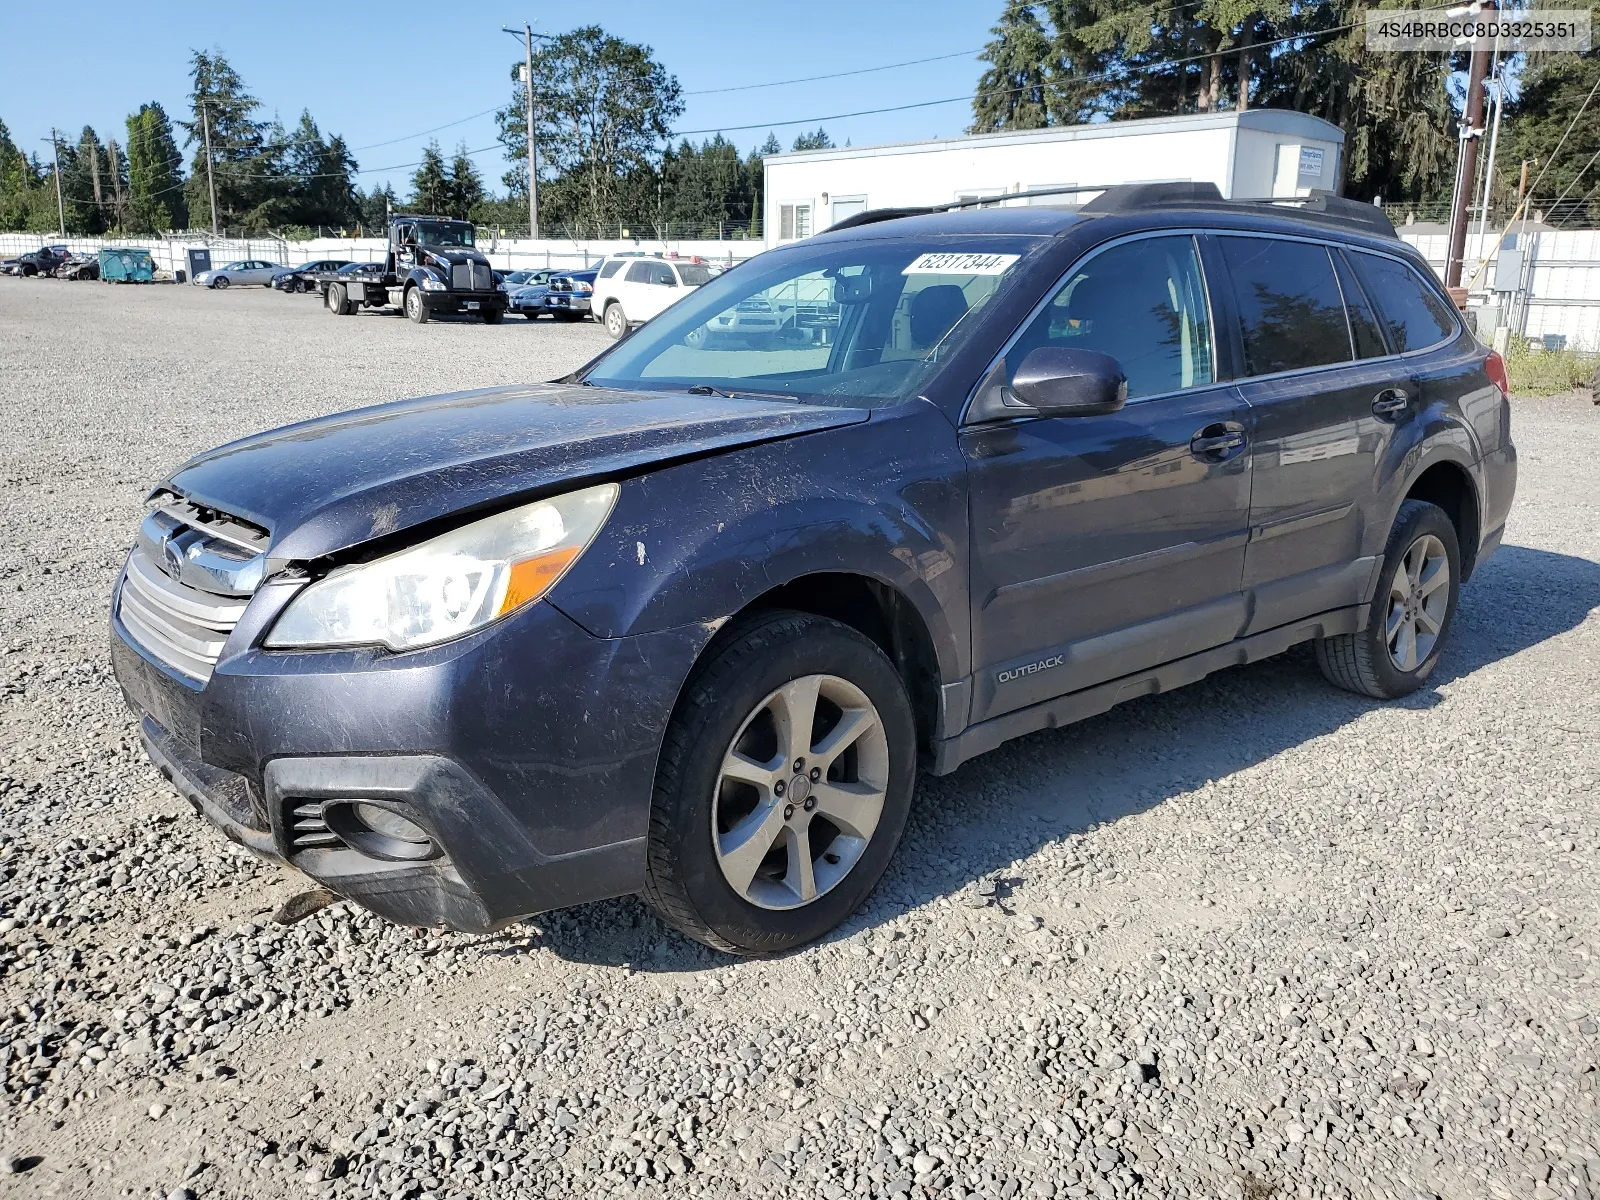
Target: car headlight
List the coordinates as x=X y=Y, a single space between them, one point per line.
x=450 y=584
x=582 y=287
x=430 y=284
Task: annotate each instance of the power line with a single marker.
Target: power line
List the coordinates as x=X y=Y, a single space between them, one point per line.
x=912 y=62
x=1102 y=77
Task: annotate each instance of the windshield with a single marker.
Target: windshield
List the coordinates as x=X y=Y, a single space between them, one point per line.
x=863 y=320
x=444 y=233
x=693 y=274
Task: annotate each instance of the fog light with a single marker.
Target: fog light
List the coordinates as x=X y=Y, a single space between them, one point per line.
x=379 y=829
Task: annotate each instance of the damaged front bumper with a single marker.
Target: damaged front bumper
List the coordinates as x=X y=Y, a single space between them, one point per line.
x=526 y=752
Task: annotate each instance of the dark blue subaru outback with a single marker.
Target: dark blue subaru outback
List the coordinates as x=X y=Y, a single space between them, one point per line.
x=689 y=621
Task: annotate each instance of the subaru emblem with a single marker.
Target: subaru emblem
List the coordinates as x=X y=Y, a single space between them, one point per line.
x=171 y=558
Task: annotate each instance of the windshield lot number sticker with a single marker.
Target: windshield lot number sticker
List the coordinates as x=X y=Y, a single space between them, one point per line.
x=960 y=264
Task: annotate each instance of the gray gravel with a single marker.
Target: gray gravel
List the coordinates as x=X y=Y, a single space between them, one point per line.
x=1256 y=938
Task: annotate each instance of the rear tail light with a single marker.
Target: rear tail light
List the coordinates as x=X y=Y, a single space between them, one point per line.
x=1495 y=368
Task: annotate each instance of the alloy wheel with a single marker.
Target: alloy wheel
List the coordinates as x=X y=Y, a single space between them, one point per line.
x=800 y=792
x=1419 y=600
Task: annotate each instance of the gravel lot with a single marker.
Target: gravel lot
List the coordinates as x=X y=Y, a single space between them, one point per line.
x=1256 y=938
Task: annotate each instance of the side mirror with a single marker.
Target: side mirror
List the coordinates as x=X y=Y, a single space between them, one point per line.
x=1066 y=382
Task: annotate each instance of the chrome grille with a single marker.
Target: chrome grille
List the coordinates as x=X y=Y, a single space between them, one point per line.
x=471 y=277
x=186 y=585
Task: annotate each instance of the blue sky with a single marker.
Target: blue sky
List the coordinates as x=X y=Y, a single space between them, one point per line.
x=390 y=71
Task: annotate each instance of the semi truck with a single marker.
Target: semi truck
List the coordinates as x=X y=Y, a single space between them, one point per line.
x=431 y=267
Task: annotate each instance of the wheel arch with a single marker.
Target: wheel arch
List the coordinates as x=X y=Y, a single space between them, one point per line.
x=877 y=610
x=1449 y=485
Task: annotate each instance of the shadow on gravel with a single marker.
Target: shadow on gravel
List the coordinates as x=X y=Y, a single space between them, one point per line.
x=996 y=809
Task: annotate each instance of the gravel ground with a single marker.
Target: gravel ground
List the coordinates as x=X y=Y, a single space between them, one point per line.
x=1255 y=938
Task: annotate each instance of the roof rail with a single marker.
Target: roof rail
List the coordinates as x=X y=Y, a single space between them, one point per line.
x=1126 y=197
x=873 y=215
x=1131 y=197
x=1370 y=218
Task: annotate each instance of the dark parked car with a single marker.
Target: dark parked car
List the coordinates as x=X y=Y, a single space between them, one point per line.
x=527 y=291
x=43 y=261
x=569 y=294
x=688 y=622
x=303 y=277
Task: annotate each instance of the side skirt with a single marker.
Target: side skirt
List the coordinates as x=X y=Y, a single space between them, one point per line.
x=950 y=753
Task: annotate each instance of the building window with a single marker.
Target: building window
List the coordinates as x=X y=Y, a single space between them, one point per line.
x=794 y=221
x=967 y=195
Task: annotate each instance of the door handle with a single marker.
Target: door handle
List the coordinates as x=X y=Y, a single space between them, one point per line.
x=1388 y=404
x=1216 y=441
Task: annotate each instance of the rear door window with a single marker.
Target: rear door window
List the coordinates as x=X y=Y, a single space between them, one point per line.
x=638 y=272
x=1142 y=302
x=1291 y=314
x=1411 y=311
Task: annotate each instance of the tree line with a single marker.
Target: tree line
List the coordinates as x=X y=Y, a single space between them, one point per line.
x=606 y=162
x=1065 y=62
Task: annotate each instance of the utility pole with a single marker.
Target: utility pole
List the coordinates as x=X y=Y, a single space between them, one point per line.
x=61 y=208
x=527 y=35
x=1467 y=165
x=211 y=186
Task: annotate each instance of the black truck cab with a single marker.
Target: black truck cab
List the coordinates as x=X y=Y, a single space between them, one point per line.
x=432 y=266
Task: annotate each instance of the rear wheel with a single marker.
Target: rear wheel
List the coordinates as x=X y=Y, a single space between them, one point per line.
x=339 y=302
x=783 y=786
x=616 y=320
x=415 y=308
x=1411 y=614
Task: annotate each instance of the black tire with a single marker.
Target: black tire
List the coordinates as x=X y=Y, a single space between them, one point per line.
x=559 y=315
x=616 y=321
x=1363 y=662
x=493 y=316
x=532 y=316
x=339 y=302
x=684 y=882
x=414 y=307
x=220 y=282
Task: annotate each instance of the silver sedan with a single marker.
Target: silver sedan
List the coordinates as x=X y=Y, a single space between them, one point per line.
x=247 y=270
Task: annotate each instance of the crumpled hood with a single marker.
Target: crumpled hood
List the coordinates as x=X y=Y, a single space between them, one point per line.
x=326 y=485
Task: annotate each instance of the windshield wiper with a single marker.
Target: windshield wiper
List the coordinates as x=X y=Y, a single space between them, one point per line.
x=705 y=389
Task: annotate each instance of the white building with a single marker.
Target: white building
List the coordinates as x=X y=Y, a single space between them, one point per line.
x=1261 y=152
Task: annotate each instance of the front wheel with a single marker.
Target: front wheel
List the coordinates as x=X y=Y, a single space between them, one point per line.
x=220 y=283
x=415 y=308
x=1411 y=614
x=493 y=316
x=616 y=321
x=783 y=786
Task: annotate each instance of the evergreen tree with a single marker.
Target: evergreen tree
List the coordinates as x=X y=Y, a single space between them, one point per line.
x=466 y=189
x=155 y=175
x=238 y=145
x=430 y=186
x=374 y=208
x=1551 y=93
x=1012 y=92
x=85 y=182
x=817 y=140
x=19 y=181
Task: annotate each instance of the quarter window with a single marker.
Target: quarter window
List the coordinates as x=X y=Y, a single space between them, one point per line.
x=1414 y=315
x=1363 y=324
x=611 y=268
x=1290 y=311
x=1143 y=303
